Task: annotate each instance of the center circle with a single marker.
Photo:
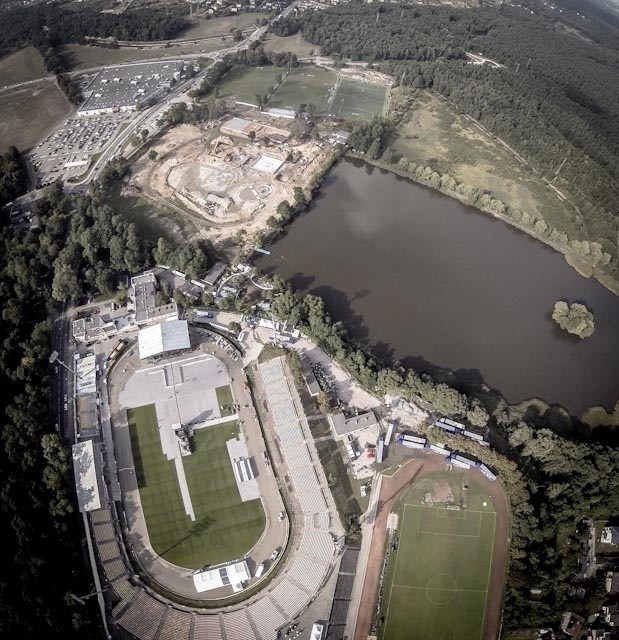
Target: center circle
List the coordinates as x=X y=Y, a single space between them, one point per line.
x=441 y=589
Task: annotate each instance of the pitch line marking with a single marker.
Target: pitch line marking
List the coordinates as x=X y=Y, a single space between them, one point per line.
x=408 y=586
x=483 y=620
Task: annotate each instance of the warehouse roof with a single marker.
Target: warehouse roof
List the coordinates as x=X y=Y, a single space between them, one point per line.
x=163 y=337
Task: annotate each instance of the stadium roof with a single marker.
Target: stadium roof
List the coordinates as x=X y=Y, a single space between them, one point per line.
x=228 y=575
x=161 y=338
x=86 y=482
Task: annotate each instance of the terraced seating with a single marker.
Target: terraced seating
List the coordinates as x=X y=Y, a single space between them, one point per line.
x=207 y=627
x=101 y=515
x=317 y=545
x=266 y=618
x=143 y=616
x=176 y=626
x=236 y=624
x=108 y=551
x=307 y=573
x=290 y=598
x=124 y=589
x=114 y=569
x=104 y=532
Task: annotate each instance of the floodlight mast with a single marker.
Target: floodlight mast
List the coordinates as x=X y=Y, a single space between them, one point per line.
x=55 y=358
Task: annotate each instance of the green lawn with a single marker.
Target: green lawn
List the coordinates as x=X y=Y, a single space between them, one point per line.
x=225 y=528
x=224 y=400
x=243 y=83
x=304 y=85
x=355 y=99
x=438 y=577
x=221 y=25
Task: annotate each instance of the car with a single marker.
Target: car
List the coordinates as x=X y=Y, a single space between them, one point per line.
x=66 y=407
x=65 y=397
x=281 y=515
x=274 y=554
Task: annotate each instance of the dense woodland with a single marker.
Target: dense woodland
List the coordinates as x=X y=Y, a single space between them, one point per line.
x=557 y=99
x=554 y=474
x=43 y=25
x=13 y=178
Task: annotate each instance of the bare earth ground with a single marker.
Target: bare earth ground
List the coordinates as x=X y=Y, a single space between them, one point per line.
x=391 y=486
x=185 y=158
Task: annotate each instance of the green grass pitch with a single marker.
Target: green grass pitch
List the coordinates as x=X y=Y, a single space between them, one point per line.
x=225 y=400
x=304 y=85
x=225 y=528
x=243 y=83
x=355 y=99
x=439 y=583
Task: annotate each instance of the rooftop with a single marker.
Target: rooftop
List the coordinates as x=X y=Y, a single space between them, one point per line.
x=163 y=337
x=86 y=477
x=342 y=426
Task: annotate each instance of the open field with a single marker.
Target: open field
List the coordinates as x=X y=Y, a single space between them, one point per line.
x=439 y=576
x=225 y=528
x=295 y=44
x=27 y=115
x=243 y=83
x=21 y=66
x=221 y=26
x=356 y=99
x=434 y=135
x=304 y=85
x=77 y=56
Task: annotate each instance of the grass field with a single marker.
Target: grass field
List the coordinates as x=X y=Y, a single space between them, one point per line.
x=224 y=400
x=243 y=83
x=438 y=578
x=295 y=44
x=225 y=528
x=302 y=86
x=222 y=25
x=21 y=66
x=27 y=115
x=355 y=99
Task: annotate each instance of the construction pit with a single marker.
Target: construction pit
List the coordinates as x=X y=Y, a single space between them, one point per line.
x=231 y=181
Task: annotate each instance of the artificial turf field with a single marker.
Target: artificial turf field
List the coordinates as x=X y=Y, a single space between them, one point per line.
x=225 y=528
x=355 y=99
x=437 y=588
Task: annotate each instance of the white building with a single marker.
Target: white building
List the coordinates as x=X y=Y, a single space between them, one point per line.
x=231 y=575
x=163 y=338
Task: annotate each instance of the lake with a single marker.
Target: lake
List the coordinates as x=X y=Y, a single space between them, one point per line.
x=422 y=278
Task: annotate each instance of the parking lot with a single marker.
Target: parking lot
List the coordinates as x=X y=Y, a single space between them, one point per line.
x=68 y=150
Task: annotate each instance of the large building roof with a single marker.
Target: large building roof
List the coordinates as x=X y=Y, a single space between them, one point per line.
x=86 y=477
x=161 y=338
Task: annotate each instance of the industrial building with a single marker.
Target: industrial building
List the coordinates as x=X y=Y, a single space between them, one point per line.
x=165 y=337
x=126 y=87
x=342 y=426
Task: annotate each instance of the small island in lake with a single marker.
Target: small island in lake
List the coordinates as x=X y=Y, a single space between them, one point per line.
x=574 y=318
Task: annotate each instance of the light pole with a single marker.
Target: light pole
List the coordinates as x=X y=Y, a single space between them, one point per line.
x=54 y=358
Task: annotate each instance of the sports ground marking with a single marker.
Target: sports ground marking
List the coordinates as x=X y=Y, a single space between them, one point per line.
x=486 y=590
x=441 y=533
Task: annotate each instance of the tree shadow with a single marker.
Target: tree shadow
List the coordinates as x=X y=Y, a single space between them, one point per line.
x=339 y=309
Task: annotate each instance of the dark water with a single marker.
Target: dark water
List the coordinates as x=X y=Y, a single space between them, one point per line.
x=422 y=278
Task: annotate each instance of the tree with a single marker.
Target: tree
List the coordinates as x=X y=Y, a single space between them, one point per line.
x=152 y=154
x=237 y=35
x=574 y=318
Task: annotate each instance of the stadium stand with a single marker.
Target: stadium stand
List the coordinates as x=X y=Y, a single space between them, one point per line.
x=114 y=569
x=341 y=597
x=104 y=532
x=237 y=626
x=143 y=616
x=307 y=573
x=317 y=545
x=266 y=618
x=101 y=515
x=124 y=589
x=176 y=626
x=109 y=551
x=207 y=627
x=290 y=597
x=349 y=560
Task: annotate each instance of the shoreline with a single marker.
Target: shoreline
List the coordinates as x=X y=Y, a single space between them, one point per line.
x=583 y=268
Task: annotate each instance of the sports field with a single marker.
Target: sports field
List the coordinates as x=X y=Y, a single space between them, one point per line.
x=439 y=576
x=304 y=85
x=356 y=99
x=244 y=83
x=225 y=527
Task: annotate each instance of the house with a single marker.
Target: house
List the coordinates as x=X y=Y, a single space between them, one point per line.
x=612 y=582
x=571 y=624
x=610 y=535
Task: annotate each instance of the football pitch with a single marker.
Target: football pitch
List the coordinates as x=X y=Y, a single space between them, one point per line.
x=304 y=85
x=225 y=528
x=355 y=99
x=439 y=584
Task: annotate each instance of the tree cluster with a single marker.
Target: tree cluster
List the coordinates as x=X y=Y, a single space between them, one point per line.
x=13 y=178
x=574 y=318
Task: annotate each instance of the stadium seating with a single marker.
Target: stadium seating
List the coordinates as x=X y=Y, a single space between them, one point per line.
x=104 y=532
x=207 y=627
x=290 y=598
x=176 y=626
x=307 y=573
x=266 y=618
x=124 y=589
x=143 y=616
x=114 y=569
x=237 y=626
x=109 y=551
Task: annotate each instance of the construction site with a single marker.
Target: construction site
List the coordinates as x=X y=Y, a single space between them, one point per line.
x=232 y=173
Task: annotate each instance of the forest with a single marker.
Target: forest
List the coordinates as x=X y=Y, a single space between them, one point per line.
x=44 y=25
x=555 y=473
x=13 y=178
x=555 y=101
